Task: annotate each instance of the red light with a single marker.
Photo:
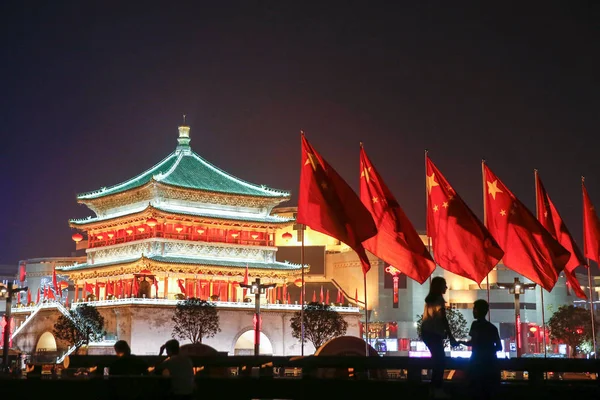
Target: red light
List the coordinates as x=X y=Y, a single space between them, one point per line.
x=533 y=329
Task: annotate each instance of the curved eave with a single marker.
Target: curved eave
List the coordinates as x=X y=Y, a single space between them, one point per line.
x=178 y=265
x=153 y=183
x=191 y=217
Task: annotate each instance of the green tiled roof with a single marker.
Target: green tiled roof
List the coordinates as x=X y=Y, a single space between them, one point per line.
x=266 y=219
x=194 y=261
x=186 y=169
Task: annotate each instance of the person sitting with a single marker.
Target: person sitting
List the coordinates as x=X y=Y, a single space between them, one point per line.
x=127 y=363
x=179 y=369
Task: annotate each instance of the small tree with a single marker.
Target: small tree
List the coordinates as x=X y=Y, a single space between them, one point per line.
x=195 y=319
x=83 y=325
x=572 y=326
x=321 y=323
x=457 y=322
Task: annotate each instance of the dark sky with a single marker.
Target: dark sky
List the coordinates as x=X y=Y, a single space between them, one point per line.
x=92 y=94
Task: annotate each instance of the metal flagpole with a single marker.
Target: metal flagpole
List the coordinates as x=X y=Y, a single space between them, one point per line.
x=366 y=316
x=591 y=290
x=487 y=278
x=427 y=208
x=302 y=291
x=535 y=174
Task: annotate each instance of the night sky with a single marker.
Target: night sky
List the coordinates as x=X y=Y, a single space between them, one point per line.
x=92 y=94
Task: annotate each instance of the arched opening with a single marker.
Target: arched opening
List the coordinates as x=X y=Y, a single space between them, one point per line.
x=46 y=343
x=244 y=346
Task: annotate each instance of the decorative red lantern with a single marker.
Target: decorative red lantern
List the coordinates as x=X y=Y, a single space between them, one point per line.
x=100 y=236
x=287 y=236
x=141 y=229
x=200 y=231
x=110 y=235
x=129 y=231
x=151 y=222
x=77 y=237
x=254 y=236
x=235 y=234
x=533 y=329
x=178 y=228
x=298 y=282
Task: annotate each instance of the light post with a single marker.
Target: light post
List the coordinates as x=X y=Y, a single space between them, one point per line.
x=517 y=288
x=257 y=289
x=8 y=291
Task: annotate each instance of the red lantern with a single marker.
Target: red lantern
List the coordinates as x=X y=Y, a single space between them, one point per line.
x=100 y=236
x=200 y=231
x=141 y=229
x=77 y=237
x=129 y=231
x=151 y=222
x=533 y=329
x=254 y=236
x=298 y=282
x=287 y=236
x=178 y=228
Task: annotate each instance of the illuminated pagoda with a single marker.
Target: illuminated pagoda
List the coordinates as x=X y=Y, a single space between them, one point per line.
x=182 y=228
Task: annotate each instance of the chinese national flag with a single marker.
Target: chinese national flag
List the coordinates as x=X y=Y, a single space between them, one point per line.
x=549 y=217
x=180 y=283
x=109 y=288
x=245 y=282
x=397 y=242
x=54 y=280
x=88 y=288
x=37 y=297
x=50 y=294
x=461 y=243
x=529 y=248
x=328 y=205
x=591 y=227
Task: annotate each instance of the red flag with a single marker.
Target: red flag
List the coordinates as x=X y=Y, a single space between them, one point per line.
x=109 y=288
x=591 y=227
x=50 y=294
x=88 y=288
x=67 y=301
x=28 y=297
x=54 y=281
x=22 y=272
x=356 y=296
x=321 y=296
x=328 y=205
x=136 y=287
x=339 y=296
x=397 y=242
x=156 y=285
x=37 y=297
x=285 y=292
x=314 y=298
x=550 y=219
x=245 y=282
x=461 y=243
x=529 y=249
x=327 y=297
x=120 y=288
x=181 y=285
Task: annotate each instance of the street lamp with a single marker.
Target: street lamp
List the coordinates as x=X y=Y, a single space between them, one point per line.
x=257 y=289
x=8 y=291
x=517 y=288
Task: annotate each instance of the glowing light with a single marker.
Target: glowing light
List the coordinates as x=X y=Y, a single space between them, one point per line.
x=533 y=329
x=178 y=228
x=129 y=231
x=100 y=237
x=287 y=236
x=110 y=235
x=77 y=237
x=255 y=236
x=200 y=231
x=235 y=235
x=151 y=222
x=141 y=229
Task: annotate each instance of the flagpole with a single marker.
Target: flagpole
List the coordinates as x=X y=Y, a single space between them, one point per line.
x=427 y=209
x=535 y=174
x=302 y=291
x=590 y=283
x=366 y=316
x=487 y=277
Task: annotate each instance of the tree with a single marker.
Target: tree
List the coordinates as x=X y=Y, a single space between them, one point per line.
x=457 y=322
x=572 y=326
x=82 y=325
x=195 y=319
x=321 y=323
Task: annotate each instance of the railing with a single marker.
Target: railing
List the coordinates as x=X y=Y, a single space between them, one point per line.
x=219 y=304
x=33 y=310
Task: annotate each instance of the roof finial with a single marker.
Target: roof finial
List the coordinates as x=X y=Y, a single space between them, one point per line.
x=184 y=135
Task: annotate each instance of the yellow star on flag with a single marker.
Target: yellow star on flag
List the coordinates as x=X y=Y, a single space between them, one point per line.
x=375 y=199
x=366 y=174
x=312 y=160
x=503 y=213
x=445 y=204
x=435 y=208
x=431 y=182
x=493 y=188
